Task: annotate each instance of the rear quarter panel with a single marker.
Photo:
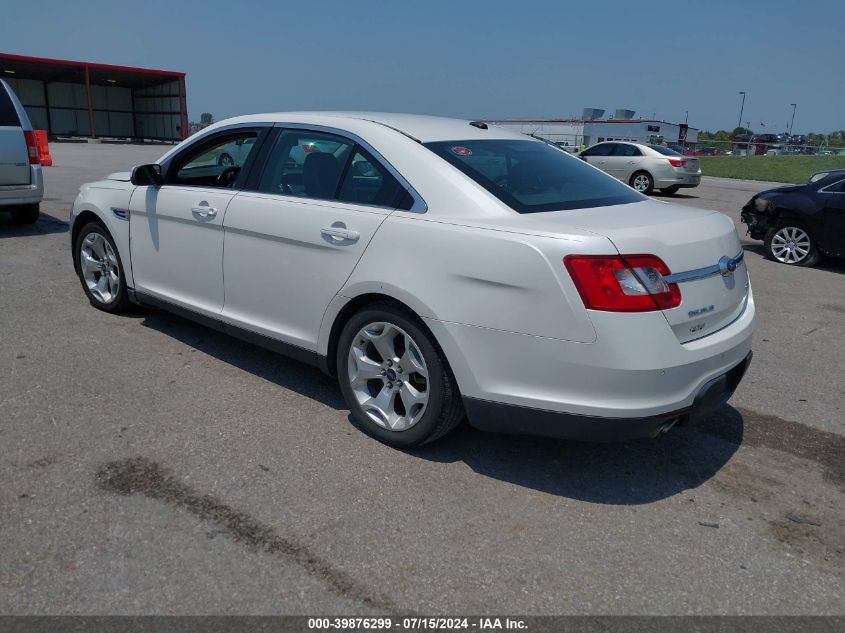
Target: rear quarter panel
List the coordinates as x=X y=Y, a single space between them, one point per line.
x=481 y=277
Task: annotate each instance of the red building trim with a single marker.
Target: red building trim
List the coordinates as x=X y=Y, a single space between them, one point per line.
x=69 y=62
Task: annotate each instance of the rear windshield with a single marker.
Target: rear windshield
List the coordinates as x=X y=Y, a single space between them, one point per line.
x=532 y=177
x=664 y=150
x=8 y=114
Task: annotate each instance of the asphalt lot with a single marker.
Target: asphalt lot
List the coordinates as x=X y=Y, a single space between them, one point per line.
x=150 y=465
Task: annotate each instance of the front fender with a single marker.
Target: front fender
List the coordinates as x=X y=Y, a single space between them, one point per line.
x=110 y=205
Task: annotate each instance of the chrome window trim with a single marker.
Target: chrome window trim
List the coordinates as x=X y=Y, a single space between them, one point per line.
x=833 y=184
x=700 y=273
x=419 y=205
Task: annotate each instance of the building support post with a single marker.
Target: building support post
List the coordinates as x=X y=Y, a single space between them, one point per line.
x=183 y=109
x=90 y=103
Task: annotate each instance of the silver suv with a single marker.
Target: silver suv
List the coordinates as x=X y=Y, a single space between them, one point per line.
x=21 y=183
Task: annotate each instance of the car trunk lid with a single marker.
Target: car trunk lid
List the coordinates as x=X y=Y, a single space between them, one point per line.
x=692 y=165
x=688 y=241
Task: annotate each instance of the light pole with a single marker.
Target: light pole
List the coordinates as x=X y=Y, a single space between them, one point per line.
x=794 y=108
x=741 y=108
x=686 y=116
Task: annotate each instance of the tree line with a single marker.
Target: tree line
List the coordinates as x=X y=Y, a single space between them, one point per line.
x=834 y=139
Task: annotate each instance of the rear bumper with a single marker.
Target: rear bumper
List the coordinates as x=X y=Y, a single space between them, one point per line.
x=514 y=419
x=677 y=180
x=13 y=195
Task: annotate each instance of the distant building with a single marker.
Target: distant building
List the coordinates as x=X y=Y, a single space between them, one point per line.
x=83 y=99
x=588 y=130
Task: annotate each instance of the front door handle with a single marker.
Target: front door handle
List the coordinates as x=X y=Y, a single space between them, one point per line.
x=204 y=211
x=340 y=233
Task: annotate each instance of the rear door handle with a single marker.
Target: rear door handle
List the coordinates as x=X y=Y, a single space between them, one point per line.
x=204 y=211
x=340 y=233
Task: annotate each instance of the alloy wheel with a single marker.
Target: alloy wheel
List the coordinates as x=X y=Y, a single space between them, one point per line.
x=790 y=245
x=641 y=182
x=99 y=267
x=388 y=376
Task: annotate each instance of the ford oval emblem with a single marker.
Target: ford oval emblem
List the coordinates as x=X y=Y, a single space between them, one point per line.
x=726 y=266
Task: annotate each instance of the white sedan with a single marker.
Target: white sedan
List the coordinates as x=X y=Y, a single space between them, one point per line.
x=645 y=167
x=439 y=268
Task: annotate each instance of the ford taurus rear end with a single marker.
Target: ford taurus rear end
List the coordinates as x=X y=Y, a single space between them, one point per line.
x=664 y=288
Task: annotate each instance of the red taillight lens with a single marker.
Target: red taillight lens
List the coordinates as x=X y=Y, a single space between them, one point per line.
x=630 y=283
x=31 y=148
x=677 y=162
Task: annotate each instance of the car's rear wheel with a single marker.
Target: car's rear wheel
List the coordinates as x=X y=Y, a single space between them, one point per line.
x=395 y=378
x=100 y=269
x=642 y=182
x=670 y=191
x=27 y=214
x=791 y=244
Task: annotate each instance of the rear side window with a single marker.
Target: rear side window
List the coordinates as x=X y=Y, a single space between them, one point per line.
x=626 y=150
x=306 y=164
x=664 y=150
x=368 y=182
x=329 y=167
x=8 y=114
x=532 y=177
x=598 y=150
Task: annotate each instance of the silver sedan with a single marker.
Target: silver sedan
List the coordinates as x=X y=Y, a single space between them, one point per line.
x=644 y=167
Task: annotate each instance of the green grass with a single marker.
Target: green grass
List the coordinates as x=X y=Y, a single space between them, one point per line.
x=792 y=169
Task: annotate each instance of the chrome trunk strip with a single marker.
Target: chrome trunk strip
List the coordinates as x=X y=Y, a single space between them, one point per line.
x=724 y=267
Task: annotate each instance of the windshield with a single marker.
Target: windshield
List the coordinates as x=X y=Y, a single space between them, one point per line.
x=664 y=150
x=531 y=176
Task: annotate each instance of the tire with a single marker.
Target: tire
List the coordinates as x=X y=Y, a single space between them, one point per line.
x=670 y=191
x=96 y=259
x=418 y=367
x=27 y=214
x=791 y=244
x=225 y=160
x=642 y=182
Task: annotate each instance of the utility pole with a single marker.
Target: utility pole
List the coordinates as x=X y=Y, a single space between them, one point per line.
x=794 y=108
x=686 y=116
x=741 y=108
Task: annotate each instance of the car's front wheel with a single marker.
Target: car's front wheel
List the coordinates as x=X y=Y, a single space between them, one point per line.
x=395 y=378
x=100 y=269
x=791 y=244
x=642 y=182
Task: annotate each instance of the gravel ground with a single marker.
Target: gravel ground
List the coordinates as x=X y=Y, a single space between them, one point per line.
x=150 y=465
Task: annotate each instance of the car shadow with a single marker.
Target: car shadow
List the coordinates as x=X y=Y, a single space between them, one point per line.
x=46 y=225
x=280 y=370
x=629 y=473
x=625 y=473
x=674 y=196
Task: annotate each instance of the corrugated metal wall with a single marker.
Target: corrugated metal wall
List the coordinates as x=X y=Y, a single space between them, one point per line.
x=157 y=111
x=119 y=112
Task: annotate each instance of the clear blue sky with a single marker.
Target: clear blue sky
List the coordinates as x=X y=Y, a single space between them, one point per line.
x=464 y=58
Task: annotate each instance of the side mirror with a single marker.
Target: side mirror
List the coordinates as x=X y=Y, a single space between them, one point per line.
x=147 y=176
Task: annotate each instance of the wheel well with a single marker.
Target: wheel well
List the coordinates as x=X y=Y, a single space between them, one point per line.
x=355 y=305
x=81 y=220
x=642 y=171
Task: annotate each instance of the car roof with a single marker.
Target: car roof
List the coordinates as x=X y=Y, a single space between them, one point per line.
x=420 y=127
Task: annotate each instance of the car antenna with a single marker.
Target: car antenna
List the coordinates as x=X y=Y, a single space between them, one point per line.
x=481 y=125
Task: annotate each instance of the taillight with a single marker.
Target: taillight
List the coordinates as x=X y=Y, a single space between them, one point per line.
x=628 y=283
x=677 y=162
x=31 y=148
